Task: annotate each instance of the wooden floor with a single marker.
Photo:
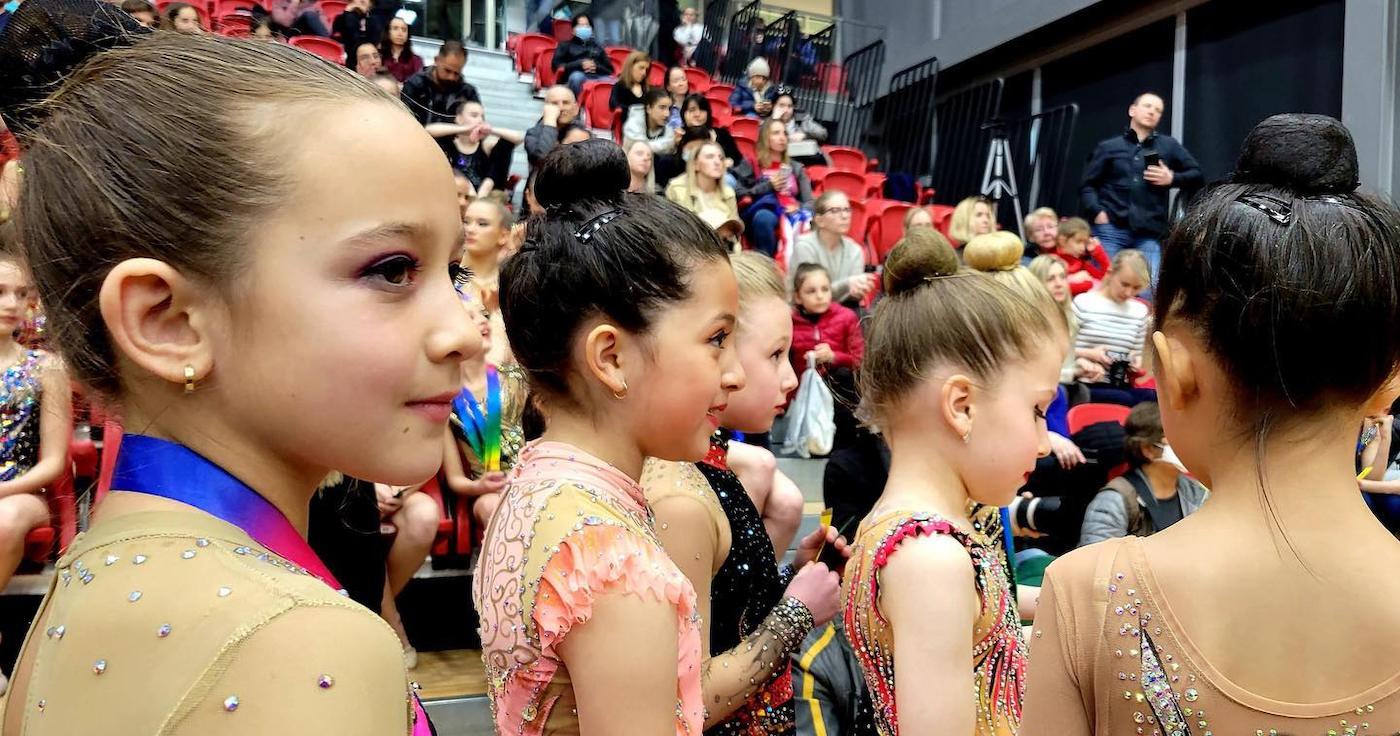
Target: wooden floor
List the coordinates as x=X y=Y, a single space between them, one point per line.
x=452 y=674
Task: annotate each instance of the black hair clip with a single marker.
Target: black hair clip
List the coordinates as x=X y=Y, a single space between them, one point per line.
x=461 y=276
x=1277 y=210
x=596 y=223
x=528 y=246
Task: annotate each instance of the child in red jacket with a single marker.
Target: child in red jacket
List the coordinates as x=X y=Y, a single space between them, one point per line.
x=1085 y=259
x=831 y=332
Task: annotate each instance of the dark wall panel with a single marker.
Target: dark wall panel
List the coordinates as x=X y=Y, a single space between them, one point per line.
x=1104 y=80
x=1247 y=61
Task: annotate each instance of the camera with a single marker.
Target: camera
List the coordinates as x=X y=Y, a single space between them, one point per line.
x=1040 y=514
x=1118 y=370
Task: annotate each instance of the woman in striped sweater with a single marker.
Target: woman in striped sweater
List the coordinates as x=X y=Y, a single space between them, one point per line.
x=1113 y=324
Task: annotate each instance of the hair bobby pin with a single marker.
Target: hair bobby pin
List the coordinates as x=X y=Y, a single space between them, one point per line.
x=1277 y=210
x=585 y=234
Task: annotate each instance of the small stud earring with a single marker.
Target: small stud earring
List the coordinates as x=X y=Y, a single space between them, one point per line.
x=189 y=379
x=967 y=437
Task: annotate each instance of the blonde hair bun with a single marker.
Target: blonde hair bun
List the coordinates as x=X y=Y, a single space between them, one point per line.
x=995 y=251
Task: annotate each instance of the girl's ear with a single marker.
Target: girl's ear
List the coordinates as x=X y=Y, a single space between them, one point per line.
x=602 y=354
x=956 y=404
x=1177 y=383
x=158 y=319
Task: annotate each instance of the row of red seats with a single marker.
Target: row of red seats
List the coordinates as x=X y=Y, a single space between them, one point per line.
x=233 y=18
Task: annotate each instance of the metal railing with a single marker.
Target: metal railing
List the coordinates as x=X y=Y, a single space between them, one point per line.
x=857 y=85
x=961 y=140
x=909 y=128
x=1039 y=151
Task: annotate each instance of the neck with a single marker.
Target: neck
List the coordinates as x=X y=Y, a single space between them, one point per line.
x=483 y=265
x=609 y=444
x=397 y=48
x=706 y=184
x=830 y=238
x=921 y=478
x=286 y=484
x=639 y=181
x=1309 y=481
x=1162 y=477
x=474 y=371
x=1142 y=133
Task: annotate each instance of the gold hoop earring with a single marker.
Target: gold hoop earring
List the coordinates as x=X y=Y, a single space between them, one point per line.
x=189 y=379
x=620 y=395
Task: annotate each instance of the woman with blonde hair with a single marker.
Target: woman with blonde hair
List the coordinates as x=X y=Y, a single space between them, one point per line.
x=972 y=217
x=701 y=189
x=780 y=189
x=1042 y=233
x=631 y=82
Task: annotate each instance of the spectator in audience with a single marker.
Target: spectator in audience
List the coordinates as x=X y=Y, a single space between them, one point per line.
x=1113 y=325
x=386 y=81
x=648 y=122
x=754 y=97
x=582 y=58
x=182 y=18
x=396 y=49
x=631 y=82
x=695 y=113
x=367 y=60
x=1084 y=258
x=689 y=33
x=702 y=189
x=6 y=11
x=476 y=150
x=780 y=189
x=641 y=165
x=574 y=134
x=142 y=10
x=356 y=27
x=343 y=530
x=1152 y=495
x=830 y=334
x=917 y=217
x=828 y=246
x=972 y=217
x=38 y=421
x=1124 y=196
x=465 y=192
x=1042 y=233
x=432 y=95
x=486 y=234
x=414 y=516
x=294 y=18
x=1055 y=275
x=678 y=86
x=263 y=30
x=800 y=124
x=559 y=111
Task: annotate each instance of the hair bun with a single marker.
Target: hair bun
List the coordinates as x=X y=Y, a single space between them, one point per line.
x=994 y=251
x=45 y=41
x=588 y=171
x=1301 y=153
x=921 y=255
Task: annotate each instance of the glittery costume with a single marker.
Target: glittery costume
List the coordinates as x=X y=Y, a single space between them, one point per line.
x=513 y=397
x=742 y=593
x=570 y=527
x=1103 y=620
x=178 y=623
x=20 y=394
x=998 y=654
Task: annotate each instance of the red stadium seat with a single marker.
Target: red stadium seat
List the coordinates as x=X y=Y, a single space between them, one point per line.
x=596 y=94
x=748 y=147
x=744 y=126
x=875 y=184
x=220 y=8
x=545 y=73
x=657 y=76
x=563 y=29
x=236 y=25
x=845 y=158
x=325 y=48
x=1086 y=414
x=512 y=40
x=942 y=217
x=527 y=50
x=618 y=55
x=699 y=80
x=858 y=216
x=719 y=91
x=442 y=544
x=852 y=184
x=331 y=9
x=817 y=175
x=721 y=115
x=234 y=32
x=886 y=227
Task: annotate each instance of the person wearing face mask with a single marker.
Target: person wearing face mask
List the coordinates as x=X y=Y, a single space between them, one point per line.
x=7 y=10
x=582 y=58
x=1152 y=495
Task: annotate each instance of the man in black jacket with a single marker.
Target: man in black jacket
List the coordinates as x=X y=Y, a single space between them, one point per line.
x=582 y=58
x=433 y=94
x=1125 y=194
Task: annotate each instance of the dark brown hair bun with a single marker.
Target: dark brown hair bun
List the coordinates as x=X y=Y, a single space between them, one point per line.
x=921 y=255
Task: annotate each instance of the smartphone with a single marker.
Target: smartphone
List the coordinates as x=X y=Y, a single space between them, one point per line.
x=1151 y=158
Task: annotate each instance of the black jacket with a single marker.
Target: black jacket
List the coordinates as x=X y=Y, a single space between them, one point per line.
x=571 y=54
x=432 y=104
x=1113 y=182
x=352 y=29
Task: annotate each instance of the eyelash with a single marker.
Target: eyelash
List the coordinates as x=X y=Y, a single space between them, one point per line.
x=1040 y=413
x=391 y=265
x=719 y=338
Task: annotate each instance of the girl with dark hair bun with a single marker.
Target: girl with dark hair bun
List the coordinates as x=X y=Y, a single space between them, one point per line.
x=619 y=307
x=1271 y=609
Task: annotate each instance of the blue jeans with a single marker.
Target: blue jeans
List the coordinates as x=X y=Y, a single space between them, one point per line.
x=1116 y=238
x=762 y=224
x=576 y=80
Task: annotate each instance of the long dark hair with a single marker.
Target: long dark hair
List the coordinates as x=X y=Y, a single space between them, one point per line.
x=386 y=47
x=701 y=102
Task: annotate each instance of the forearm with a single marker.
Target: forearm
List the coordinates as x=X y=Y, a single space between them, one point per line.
x=1388 y=487
x=730 y=678
x=44 y=472
x=443 y=130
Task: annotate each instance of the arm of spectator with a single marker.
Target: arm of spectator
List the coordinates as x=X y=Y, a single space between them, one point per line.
x=1104 y=519
x=55 y=429
x=741 y=101
x=749 y=183
x=1186 y=173
x=604 y=65
x=1375 y=454
x=444 y=130
x=540 y=140
x=1089 y=205
x=562 y=60
x=1098 y=264
x=814 y=130
x=804 y=187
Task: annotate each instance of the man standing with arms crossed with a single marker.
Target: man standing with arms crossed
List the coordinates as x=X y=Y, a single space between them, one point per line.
x=1128 y=179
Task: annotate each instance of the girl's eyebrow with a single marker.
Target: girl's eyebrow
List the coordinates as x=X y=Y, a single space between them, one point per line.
x=386 y=231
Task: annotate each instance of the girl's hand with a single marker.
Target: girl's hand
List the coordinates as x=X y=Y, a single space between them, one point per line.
x=1099 y=355
x=492 y=482
x=819 y=589
x=1065 y=451
x=811 y=546
x=1088 y=370
x=824 y=354
x=388 y=498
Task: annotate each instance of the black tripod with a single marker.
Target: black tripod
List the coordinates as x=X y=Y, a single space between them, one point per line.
x=999 y=177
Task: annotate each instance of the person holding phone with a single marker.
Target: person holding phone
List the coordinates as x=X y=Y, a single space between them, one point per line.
x=1128 y=180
